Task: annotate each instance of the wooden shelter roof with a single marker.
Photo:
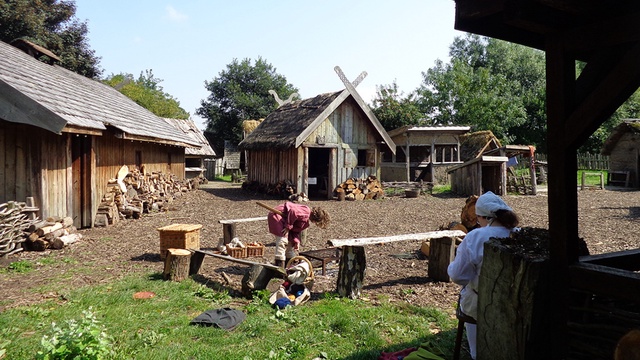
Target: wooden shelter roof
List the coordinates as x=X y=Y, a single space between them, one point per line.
x=472 y=145
x=189 y=128
x=56 y=99
x=430 y=129
x=630 y=125
x=290 y=124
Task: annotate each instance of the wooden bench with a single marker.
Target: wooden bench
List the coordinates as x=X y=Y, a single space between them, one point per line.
x=584 y=179
x=325 y=256
x=618 y=178
x=352 y=260
x=229 y=227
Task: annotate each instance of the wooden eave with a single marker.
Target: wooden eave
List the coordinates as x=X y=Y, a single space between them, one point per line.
x=12 y=108
x=495 y=160
x=126 y=136
x=82 y=131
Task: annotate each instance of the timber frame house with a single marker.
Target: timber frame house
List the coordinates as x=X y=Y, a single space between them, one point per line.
x=606 y=36
x=423 y=153
x=63 y=136
x=193 y=157
x=317 y=143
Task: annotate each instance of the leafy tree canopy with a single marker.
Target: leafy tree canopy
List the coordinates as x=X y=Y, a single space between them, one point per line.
x=241 y=92
x=147 y=92
x=393 y=109
x=490 y=85
x=53 y=25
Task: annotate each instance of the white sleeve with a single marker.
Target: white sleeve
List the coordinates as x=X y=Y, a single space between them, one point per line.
x=461 y=270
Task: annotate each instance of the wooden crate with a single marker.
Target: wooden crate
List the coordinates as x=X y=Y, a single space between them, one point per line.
x=255 y=250
x=179 y=236
x=238 y=252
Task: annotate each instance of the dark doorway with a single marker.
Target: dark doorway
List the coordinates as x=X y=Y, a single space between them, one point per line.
x=81 y=178
x=319 y=172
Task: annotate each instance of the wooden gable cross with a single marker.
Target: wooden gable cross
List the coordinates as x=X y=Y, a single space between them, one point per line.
x=346 y=82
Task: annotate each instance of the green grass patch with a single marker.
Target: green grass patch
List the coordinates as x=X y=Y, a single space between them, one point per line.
x=226 y=178
x=590 y=179
x=441 y=189
x=158 y=328
x=21 y=266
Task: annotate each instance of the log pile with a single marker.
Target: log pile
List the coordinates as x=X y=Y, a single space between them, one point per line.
x=360 y=189
x=52 y=233
x=134 y=192
x=14 y=220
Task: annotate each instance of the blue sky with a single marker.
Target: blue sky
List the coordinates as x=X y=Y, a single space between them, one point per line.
x=189 y=42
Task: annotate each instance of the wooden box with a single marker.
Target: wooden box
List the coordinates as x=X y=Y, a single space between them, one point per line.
x=179 y=236
x=255 y=250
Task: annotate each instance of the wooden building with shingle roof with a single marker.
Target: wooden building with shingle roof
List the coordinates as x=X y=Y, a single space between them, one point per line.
x=63 y=136
x=193 y=157
x=317 y=143
x=623 y=149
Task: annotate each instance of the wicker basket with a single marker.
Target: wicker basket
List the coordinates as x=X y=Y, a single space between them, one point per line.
x=179 y=236
x=308 y=283
x=255 y=250
x=237 y=252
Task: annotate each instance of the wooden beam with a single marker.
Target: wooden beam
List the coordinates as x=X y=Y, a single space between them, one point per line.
x=603 y=280
x=615 y=88
x=625 y=260
x=394 y=238
x=604 y=34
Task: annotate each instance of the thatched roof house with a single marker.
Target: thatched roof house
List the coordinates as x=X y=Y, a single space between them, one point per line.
x=317 y=143
x=623 y=149
x=63 y=136
x=472 y=145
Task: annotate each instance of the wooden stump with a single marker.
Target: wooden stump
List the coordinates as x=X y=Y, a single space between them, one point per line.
x=176 y=264
x=512 y=302
x=351 y=271
x=256 y=278
x=441 y=254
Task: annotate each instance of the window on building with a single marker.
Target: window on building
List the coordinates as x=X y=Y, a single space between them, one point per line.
x=446 y=154
x=362 y=157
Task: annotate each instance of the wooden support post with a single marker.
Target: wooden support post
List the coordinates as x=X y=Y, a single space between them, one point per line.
x=176 y=264
x=441 y=253
x=196 y=262
x=228 y=232
x=257 y=278
x=351 y=271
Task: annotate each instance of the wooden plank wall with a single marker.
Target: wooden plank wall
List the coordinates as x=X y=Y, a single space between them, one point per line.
x=33 y=163
x=465 y=180
x=272 y=166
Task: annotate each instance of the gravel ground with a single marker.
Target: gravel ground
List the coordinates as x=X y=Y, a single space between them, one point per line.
x=609 y=221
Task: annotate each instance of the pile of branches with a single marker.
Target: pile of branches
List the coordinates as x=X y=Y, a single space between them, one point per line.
x=283 y=189
x=13 y=223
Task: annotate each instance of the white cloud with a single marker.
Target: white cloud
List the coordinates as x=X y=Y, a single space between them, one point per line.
x=175 y=15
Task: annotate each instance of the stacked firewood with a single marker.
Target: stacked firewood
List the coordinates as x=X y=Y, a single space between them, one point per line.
x=360 y=189
x=283 y=189
x=14 y=220
x=135 y=192
x=52 y=233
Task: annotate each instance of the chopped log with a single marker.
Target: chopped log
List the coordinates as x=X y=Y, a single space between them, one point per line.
x=176 y=264
x=351 y=271
x=47 y=229
x=38 y=225
x=468 y=215
x=386 y=239
x=60 y=242
x=256 y=278
x=441 y=254
x=67 y=221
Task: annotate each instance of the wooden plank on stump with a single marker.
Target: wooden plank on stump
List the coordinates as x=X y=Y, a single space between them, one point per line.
x=441 y=253
x=176 y=264
x=257 y=278
x=404 y=237
x=351 y=271
x=196 y=262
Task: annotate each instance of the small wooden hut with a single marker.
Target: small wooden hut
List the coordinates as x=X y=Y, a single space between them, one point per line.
x=623 y=149
x=317 y=143
x=193 y=157
x=425 y=153
x=64 y=136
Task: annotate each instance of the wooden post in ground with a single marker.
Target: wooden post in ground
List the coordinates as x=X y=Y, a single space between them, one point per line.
x=441 y=253
x=257 y=278
x=228 y=232
x=351 y=271
x=176 y=264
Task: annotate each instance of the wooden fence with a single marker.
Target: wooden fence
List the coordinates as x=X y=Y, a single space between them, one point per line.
x=586 y=161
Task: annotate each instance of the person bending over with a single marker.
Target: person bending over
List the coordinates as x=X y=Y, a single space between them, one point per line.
x=287 y=227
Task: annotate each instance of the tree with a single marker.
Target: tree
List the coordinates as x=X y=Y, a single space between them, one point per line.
x=147 y=92
x=241 y=92
x=53 y=25
x=490 y=85
x=393 y=110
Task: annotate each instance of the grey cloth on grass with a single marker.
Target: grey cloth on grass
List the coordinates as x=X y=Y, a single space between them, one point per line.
x=224 y=318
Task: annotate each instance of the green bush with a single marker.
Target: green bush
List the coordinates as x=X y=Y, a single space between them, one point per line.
x=85 y=339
